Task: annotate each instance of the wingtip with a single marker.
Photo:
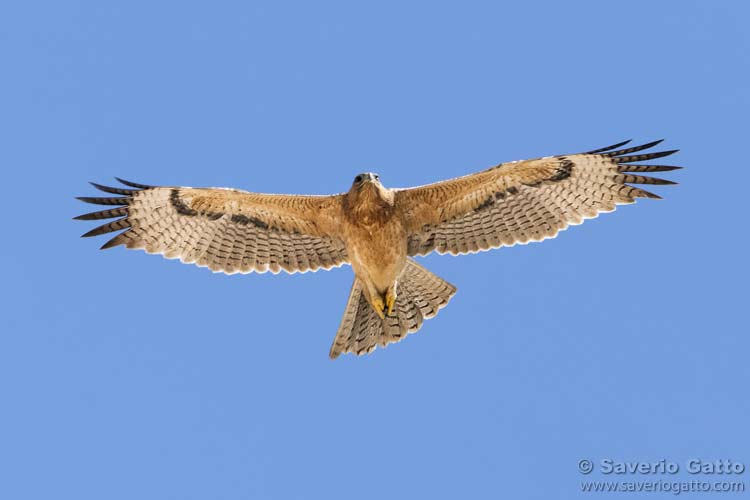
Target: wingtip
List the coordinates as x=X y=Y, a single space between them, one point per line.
x=667 y=152
x=101 y=187
x=132 y=184
x=608 y=148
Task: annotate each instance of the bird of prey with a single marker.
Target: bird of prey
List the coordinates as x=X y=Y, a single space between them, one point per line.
x=376 y=229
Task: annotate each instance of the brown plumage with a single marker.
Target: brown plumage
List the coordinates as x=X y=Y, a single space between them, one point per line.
x=376 y=229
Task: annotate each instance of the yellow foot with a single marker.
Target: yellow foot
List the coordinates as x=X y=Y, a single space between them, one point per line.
x=390 y=301
x=379 y=306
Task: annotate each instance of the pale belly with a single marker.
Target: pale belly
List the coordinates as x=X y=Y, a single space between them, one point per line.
x=377 y=253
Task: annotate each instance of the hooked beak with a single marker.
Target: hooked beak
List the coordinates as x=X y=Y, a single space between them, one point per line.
x=368 y=182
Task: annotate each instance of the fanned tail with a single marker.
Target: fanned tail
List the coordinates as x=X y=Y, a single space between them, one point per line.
x=421 y=295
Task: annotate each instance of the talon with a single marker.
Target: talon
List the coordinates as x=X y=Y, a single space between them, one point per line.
x=379 y=306
x=390 y=302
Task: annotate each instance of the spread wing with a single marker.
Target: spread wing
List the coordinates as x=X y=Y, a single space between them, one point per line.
x=524 y=201
x=226 y=230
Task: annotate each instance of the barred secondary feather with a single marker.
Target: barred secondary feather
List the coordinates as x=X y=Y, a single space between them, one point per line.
x=375 y=229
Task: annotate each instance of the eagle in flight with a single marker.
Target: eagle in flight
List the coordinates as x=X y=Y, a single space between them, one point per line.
x=378 y=230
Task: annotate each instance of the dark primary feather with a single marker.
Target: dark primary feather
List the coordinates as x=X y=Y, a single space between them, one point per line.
x=117 y=240
x=104 y=214
x=646 y=168
x=104 y=201
x=607 y=148
x=108 y=227
x=644 y=157
x=641 y=179
x=620 y=152
x=113 y=190
x=120 y=211
x=623 y=157
x=134 y=184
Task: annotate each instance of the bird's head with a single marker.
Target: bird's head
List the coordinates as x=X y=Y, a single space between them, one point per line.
x=365 y=179
x=367 y=188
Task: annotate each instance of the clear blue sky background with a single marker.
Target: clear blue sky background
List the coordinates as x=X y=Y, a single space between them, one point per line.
x=124 y=375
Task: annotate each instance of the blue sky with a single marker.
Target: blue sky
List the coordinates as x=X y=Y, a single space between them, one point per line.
x=124 y=375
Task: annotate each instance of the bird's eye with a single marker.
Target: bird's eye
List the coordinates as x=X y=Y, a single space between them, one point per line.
x=377 y=177
x=358 y=178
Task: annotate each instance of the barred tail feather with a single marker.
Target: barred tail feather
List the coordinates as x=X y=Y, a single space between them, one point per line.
x=421 y=295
